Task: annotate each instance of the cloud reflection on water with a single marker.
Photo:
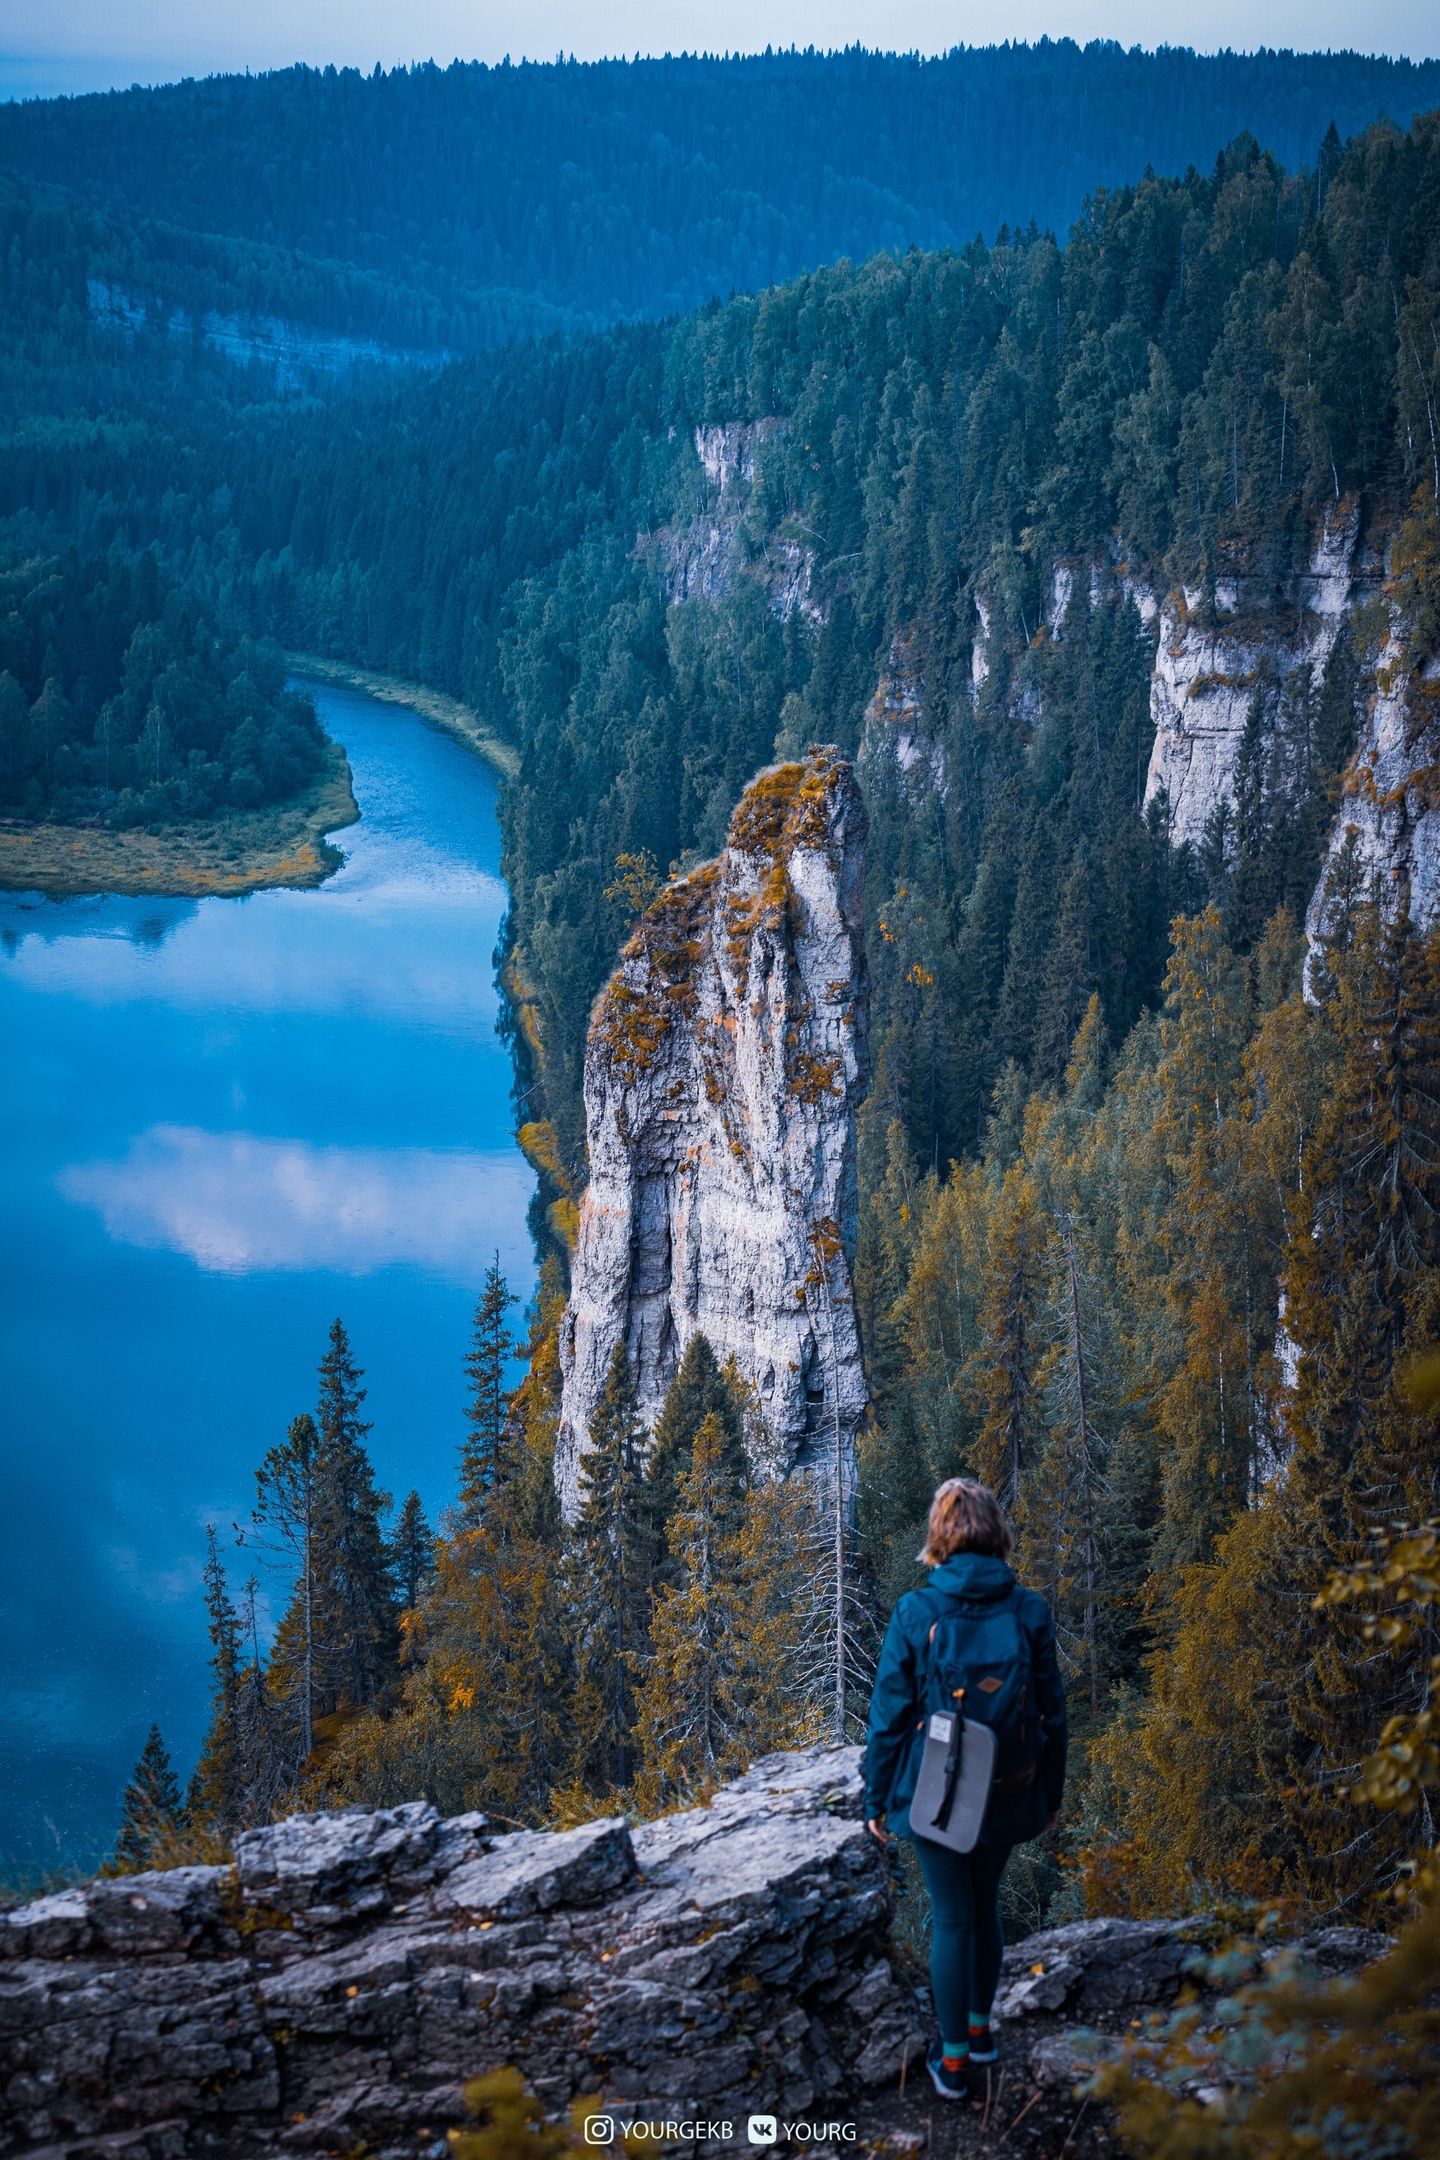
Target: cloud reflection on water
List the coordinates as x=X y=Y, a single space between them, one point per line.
x=237 y=1204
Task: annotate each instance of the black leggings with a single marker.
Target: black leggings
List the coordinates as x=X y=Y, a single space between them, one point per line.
x=966 y=1944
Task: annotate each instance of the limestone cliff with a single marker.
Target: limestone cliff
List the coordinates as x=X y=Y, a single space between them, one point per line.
x=1212 y=662
x=706 y=555
x=1214 y=658
x=725 y=1062
x=1390 y=808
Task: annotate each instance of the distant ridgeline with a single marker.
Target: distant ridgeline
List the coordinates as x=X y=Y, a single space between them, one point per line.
x=450 y=208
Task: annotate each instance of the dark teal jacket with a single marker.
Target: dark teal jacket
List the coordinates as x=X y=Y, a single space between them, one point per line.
x=896 y=1741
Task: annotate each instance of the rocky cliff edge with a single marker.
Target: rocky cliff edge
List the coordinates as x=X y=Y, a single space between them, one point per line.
x=332 y=1992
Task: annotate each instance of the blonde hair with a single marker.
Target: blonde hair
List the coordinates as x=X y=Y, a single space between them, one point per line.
x=965 y=1517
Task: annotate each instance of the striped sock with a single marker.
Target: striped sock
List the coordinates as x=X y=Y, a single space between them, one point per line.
x=953 y=2053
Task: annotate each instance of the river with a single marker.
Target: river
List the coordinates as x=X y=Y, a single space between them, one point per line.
x=226 y=1122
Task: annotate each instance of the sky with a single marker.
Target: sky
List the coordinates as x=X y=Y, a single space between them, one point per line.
x=54 y=47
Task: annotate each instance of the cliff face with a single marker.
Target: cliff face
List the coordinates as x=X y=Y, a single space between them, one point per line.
x=725 y=1062
x=723 y=543
x=1209 y=668
x=1281 y=646
x=1390 y=808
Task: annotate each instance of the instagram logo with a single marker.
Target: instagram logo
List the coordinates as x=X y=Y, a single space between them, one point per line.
x=599 y=2129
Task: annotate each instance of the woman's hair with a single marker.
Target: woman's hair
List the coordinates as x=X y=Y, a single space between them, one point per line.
x=964 y=1517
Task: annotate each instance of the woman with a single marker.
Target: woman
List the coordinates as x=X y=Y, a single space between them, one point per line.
x=974 y=1593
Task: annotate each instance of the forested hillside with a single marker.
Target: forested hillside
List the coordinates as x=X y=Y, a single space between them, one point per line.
x=456 y=207
x=1204 y=367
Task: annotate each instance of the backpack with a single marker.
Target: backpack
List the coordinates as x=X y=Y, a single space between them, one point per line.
x=978 y=1663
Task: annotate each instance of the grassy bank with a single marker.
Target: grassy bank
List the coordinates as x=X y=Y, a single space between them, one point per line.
x=284 y=844
x=432 y=705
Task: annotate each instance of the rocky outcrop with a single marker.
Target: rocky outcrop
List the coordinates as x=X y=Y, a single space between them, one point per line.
x=334 y=1989
x=1212 y=662
x=332 y=1992
x=1214 y=658
x=1389 y=812
x=708 y=554
x=725 y=1062
x=896 y=731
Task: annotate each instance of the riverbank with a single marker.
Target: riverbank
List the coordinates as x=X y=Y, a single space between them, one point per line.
x=432 y=705
x=242 y=852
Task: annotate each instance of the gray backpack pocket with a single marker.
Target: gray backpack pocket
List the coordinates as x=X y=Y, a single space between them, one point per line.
x=953 y=1788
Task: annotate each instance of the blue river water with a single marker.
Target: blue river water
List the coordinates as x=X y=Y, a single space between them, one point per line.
x=224 y=1123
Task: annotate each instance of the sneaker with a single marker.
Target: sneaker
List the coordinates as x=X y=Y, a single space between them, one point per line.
x=950 y=2084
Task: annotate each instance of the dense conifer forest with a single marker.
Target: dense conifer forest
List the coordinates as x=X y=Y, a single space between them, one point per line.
x=119 y=702
x=454 y=206
x=1108 y=1132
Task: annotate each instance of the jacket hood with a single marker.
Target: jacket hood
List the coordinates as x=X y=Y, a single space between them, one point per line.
x=973 y=1575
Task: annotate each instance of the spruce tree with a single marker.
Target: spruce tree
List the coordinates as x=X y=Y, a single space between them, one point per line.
x=1012 y=1342
x=491 y=1349
x=266 y=1741
x=698 y=1390
x=217 y=1787
x=354 y=1591
x=151 y=1811
x=289 y=1489
x=610 y=1585
x=690 y=1713
x=412 y=1552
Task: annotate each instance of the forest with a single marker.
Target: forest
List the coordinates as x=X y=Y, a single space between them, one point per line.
x=1147 y=1233
x=379 y=205
x=121 y=704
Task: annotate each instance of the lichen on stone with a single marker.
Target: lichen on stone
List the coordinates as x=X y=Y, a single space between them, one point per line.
x=761 y=813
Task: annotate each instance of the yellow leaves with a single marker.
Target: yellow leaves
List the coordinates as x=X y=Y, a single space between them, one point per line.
x=462 y=1697
x=541 y=1150
x=1420 y=1382
x=513 y=2123
x=563 y=1217
x=1407 y=1567
x=636 y=882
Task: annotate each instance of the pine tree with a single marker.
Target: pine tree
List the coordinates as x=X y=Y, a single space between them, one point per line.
x=490 y=1352
x=610 y=1588
x=357 y=1617
x=835 y=1579
x=1220 y=1249
x=151 y=1812
x=690 y=1715
x=1080 y=1449
x=482 y=1721
x=1072 y=971
x=217 y=1787
x=412 y=1553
